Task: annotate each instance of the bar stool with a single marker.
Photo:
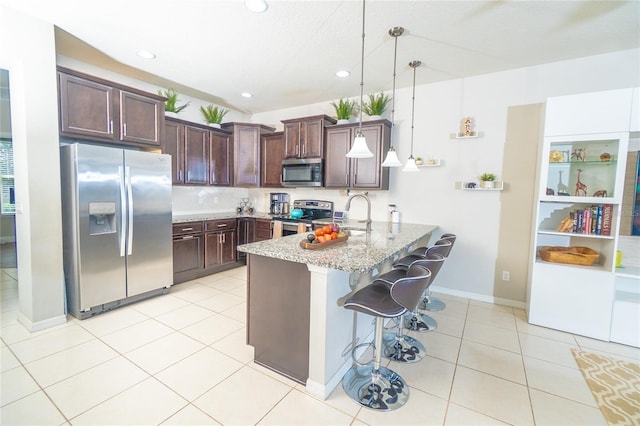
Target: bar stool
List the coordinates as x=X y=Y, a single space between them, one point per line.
x=432 y=303
x=372 y=385
x=399 y=347
x=421 y=252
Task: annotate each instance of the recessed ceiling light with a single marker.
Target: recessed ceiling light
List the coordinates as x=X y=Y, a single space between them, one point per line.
x=343 y=73
x=257 y=6
x=246 y=95
x=146 y=54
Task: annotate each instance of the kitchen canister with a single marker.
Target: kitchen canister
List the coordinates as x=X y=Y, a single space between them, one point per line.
x=395 y=216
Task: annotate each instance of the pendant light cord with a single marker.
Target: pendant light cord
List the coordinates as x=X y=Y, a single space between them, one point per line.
x=393 y=98
x=414 y=65
x=362 y=69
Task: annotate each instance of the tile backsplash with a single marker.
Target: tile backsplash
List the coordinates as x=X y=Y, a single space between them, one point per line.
x=206 y=199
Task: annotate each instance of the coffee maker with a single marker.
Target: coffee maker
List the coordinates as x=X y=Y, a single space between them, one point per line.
x=279 y=203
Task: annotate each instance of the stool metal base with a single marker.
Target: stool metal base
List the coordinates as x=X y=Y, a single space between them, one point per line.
x=383 y=390
x=431 y=304
x=420 y=322
x=406 y=349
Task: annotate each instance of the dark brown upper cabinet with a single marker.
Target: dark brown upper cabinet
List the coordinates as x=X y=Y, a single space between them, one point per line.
x=199 y=155
x=304 y=137
x=96 y=109
x=272 y=155
x=220 y=158
x=246 y=152
x=359 y=173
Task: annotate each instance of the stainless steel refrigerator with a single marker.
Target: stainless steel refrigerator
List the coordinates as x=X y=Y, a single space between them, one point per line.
x=116 y=213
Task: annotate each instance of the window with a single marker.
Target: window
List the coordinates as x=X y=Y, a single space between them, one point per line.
x=7 y=190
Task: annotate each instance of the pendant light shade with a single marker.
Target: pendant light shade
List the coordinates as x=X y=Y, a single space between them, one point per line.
x=411 y=162
x=391 y=160
x=359 y=148
x=411 y=165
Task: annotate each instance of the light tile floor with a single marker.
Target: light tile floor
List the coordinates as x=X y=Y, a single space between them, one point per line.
x=181 y=359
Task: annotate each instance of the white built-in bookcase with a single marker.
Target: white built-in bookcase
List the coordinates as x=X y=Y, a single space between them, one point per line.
x=582 y=165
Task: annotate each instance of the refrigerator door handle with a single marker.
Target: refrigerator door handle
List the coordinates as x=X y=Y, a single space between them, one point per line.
x=123 y=211
x=127 y=173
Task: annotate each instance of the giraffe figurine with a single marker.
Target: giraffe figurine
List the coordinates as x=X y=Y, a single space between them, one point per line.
x=562 y=188
x=581 y=188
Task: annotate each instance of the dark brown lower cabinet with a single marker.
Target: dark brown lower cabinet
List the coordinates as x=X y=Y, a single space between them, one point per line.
x=263 y=229
x=219 y=242
x=188 y=247
x=219 y=248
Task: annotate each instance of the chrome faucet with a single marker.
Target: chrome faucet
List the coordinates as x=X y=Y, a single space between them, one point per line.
x=366 y=197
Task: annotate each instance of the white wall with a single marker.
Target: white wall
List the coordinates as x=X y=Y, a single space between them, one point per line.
x=429 y=196
x=28 y=51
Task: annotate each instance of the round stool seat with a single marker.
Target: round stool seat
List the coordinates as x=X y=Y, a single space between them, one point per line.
x=375 y=299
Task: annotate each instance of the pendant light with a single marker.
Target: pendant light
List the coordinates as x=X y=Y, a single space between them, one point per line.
x=359 y=149
x=411 y=162
x=391 y=160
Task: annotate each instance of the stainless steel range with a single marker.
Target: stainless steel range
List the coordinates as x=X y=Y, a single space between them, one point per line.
x=313 y=212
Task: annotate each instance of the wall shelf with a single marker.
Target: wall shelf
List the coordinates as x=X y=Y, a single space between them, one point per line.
x=430 y=163
x=468 y=186
x=462 y=136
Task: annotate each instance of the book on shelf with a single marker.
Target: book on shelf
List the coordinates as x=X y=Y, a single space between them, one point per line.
x=593 y=220
x=607 y=218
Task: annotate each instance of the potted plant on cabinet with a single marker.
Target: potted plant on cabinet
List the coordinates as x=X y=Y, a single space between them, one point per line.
x=486 y=180
x=213 y=115
x=376 y=105
x=345 y=108
x=171 y=107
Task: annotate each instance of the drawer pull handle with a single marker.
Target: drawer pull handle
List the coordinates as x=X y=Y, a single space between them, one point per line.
x=187 y=237
x=222 y=225
x=187 y=229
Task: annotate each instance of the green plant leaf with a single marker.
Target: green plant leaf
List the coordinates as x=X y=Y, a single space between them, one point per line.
x=213 y=114
x=345 y=108
x=171 y=104
x=487 y=177
x=376 y=105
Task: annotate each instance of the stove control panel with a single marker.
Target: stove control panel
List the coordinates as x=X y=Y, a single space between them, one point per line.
x=313 y=204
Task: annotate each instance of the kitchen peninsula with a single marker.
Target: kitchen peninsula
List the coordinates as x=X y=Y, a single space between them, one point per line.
x=295 y=319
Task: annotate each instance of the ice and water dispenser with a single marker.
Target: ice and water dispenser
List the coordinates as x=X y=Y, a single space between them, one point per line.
x=102 y=217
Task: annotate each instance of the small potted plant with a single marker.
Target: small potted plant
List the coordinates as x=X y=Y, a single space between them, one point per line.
x=213 y=115
x=345 y=108
x=171 y=106
x=376 y=106
x=419 y=161
x=486 y=180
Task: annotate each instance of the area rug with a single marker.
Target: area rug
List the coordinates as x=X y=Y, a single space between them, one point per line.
x=615 y=385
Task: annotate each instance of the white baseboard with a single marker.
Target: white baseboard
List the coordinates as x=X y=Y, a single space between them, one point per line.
x=40 y=325
x=479 y=297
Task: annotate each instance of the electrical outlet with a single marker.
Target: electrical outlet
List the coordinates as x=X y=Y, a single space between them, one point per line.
x=506 y=276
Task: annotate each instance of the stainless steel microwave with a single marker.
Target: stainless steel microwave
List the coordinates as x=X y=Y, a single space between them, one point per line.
x=298 y=172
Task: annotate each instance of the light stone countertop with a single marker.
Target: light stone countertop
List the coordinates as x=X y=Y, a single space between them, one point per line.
x=357 y=254
x=194 y=217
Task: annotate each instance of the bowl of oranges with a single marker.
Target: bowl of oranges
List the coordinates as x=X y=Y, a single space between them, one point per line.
x=324 y=236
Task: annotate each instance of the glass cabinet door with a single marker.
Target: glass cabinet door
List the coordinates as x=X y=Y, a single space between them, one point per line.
x=583 y=169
